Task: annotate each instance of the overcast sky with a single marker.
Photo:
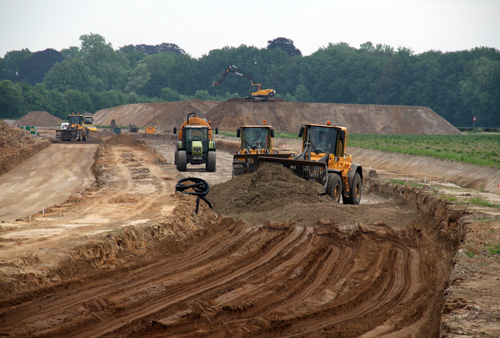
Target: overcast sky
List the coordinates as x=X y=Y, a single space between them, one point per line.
x=198 y=26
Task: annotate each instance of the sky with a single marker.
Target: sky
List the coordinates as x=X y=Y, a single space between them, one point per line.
x=199 y=26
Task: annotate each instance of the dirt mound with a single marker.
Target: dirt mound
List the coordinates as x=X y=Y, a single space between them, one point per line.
x=271 y=193
x=359 y=119
x=39 y=119
x=162 y=115
x=17 y=145
x=122 y=139
x=283 y=116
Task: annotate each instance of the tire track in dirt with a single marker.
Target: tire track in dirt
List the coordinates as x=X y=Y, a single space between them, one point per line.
x=341 y=271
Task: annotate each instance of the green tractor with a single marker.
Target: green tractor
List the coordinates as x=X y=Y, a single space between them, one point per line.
x=195 y=144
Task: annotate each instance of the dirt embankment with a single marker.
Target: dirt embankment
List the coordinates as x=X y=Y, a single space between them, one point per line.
x=16 y=145
x=163 y=115
x=283 y=116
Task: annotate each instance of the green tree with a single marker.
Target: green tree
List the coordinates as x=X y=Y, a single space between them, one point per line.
x=11 y=64
x=139 y=78
x=11 y=100
x=68 y=75
x=202 y=95
x=284 y=44
x=78 y=102
x=36 y=99
x=481 y=90
x=103 y=62
x=58 y=106
x=34 y=68
x=170 y=95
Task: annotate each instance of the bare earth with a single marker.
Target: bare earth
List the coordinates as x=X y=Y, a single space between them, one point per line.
x=128 y=257
x=113 y=251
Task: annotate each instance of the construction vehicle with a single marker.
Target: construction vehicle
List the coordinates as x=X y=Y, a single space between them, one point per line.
x=88 y=121
x=255 y=141
x=75 y=129
x=256 y=91
x=195 y=144
x=324 y=160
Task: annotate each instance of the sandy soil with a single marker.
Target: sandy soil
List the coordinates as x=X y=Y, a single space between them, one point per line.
x=126 y=256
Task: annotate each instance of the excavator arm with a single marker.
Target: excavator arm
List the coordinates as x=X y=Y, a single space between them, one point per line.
x=235 y=70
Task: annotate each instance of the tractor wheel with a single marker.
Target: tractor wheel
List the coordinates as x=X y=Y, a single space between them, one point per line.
x=181 y=160
x=355 y=191
x=334 y=187
x=211 y=162
x=175 y=156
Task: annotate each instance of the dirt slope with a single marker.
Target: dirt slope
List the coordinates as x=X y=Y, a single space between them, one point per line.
x=283 y=116
x=16 y=145
x=163 y=115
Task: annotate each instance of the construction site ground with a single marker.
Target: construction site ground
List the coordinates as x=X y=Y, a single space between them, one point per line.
x=95 y=242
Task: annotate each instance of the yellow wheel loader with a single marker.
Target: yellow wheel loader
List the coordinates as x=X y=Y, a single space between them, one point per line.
x=324 y=159
x=75 y=129
x=255 y=141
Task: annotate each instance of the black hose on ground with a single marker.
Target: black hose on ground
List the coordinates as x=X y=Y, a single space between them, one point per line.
x=199 y=187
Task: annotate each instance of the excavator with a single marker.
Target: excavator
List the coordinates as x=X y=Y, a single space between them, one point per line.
x=255 y=141
x=324 y=159
x=256 y=93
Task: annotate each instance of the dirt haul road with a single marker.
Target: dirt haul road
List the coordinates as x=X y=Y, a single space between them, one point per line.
x=129 y=258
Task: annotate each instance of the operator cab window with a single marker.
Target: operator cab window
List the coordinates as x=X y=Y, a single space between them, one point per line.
x=324 y=140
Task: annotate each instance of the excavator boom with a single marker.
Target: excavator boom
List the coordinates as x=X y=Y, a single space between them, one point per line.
x=256 y=93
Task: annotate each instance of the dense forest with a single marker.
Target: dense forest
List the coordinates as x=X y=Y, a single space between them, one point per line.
x=457 y=85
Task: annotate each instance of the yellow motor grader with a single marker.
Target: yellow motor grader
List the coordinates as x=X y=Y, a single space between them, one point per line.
x=324 y=159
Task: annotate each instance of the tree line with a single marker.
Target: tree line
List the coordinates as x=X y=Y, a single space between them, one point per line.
x=457 y=85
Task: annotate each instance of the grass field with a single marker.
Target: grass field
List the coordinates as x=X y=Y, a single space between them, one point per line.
x=479 y=149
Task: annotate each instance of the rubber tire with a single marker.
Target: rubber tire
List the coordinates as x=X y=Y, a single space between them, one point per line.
x=175 y=156
x=334 y=187
x=356 y=188
x=181 y=160
x=211 y=162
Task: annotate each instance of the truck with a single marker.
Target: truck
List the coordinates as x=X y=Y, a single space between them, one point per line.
x=324 y=159
x=75 y=130
x=257 y=93
x=195 y=144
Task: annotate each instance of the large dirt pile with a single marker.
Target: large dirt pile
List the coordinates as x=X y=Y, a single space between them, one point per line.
x=273 y=193
x=163 y=115
x=359 y=119
x=39 y=119
x=17 y=145
x=283 y=116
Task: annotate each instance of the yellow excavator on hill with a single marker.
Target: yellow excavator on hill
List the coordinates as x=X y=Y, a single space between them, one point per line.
x=256 y=91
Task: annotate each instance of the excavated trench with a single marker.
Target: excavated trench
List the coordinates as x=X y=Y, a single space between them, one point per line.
x=273 y=259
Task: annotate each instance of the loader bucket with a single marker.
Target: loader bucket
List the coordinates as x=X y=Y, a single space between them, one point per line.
x=248 y=163
x=309 y=170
